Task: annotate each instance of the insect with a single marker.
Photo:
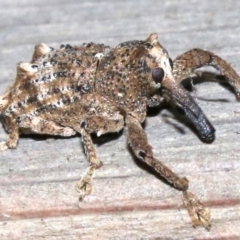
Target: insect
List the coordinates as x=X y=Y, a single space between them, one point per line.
x=98 y=89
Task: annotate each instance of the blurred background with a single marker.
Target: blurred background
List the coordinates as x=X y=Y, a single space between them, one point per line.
x=37 y=195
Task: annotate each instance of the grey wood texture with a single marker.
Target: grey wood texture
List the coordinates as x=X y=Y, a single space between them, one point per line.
x=37 y=195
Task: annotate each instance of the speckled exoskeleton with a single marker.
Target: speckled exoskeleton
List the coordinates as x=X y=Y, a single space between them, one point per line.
x=98 y=89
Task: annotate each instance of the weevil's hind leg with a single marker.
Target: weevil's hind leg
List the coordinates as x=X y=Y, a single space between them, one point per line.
x=4 y=100
x=189 y=63
x=13 y=129
x=12 y=139
x=30 y=124
x=99 y=125
x=137 y=139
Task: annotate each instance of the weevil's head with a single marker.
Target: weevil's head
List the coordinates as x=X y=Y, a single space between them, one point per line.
x=136 y=70
x=148 y=62
x=159 y=74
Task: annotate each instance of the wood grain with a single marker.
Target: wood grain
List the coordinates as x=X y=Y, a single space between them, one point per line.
x=37 y=195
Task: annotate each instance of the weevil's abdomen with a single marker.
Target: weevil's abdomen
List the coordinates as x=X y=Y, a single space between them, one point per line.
x=52 y=80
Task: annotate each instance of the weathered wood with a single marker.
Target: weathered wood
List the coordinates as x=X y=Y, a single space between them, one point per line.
x=37 y=195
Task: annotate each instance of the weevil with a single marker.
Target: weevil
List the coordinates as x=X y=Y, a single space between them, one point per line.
x=94 y=88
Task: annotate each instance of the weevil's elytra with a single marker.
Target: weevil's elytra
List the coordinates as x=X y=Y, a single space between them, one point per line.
x=98 y=89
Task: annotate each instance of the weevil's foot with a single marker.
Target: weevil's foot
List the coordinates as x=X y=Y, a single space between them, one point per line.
x=84 y=186
x=3 y=146
x=200 y=215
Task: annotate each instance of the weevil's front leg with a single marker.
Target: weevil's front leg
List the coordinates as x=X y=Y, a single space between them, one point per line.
x=138 y=141
x=200 y=215
x=189 y=63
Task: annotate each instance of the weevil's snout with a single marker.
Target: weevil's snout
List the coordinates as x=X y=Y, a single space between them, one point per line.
x=185 y=104
x=195 y=114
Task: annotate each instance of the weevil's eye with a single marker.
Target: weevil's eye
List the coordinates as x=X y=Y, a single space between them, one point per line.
x=171 y=63
x=158 y=75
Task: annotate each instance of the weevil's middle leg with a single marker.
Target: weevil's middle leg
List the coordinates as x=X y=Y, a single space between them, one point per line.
x=189 y=62
x=100 y=125
x=84 y=186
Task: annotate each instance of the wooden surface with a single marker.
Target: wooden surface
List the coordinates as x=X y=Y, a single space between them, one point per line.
x=37 y=195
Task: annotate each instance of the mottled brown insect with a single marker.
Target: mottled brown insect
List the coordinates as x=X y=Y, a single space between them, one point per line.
x=98 y=89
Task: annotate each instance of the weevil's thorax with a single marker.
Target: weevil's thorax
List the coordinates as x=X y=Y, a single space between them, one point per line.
x=54 y=79
x=124 y=75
